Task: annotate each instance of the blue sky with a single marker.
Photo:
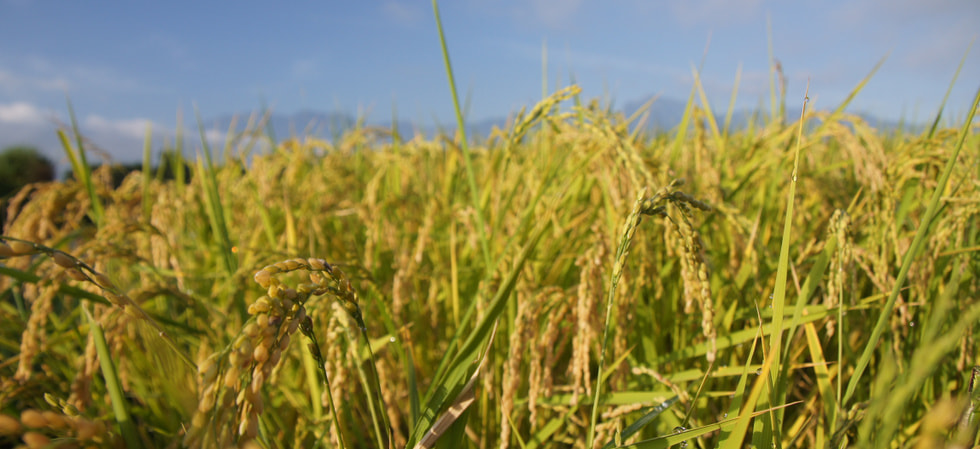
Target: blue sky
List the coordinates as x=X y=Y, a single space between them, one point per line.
x=126 y=64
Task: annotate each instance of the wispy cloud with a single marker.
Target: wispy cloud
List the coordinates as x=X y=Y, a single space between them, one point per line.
x=169 y=47
x=610 y=62
x=24 y=123
x=928 y=38
x=590 y=60
x=12 y=82
x=944 y=47
x=133 y=128
x=893 y=18
x=715 y=12
x=103 y=78
x=555 y=14
x=36 y=74
x=21 y=113
x=403 y=12
x=304 y=69
x=912 y=9
x=753 y=84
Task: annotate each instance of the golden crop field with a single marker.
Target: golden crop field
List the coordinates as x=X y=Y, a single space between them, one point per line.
x=808 y=281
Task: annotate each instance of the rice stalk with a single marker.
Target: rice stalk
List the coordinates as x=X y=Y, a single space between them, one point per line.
x=111 y=377
x=929 y=214
x=622 y=250
x=464 y=145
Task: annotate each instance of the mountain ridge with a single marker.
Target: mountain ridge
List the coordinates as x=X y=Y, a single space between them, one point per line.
x=664 y=114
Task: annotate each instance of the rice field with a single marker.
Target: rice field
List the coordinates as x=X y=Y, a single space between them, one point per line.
x=569 y=281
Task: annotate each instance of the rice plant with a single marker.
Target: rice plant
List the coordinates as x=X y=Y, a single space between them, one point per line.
x=569 y=281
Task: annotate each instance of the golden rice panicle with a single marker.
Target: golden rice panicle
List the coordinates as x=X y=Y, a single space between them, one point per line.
x=81 y=386
x=253 y=355
x=934 y=428
x=840 y=262
x=392 y=390
x=511 y=381
x=694 y=268
x=16 y=247
x=625 y=309
x=215 y=405
x=208 y=387
x=707 y=302
x=258 y=350
x=75 y=269
x=696 y=276
x=82 y=272
x=325 y=279
x=613 y=422
x=36 y=428
x=46 y=212
x=35 y=216
x=409 y=263
x=9 y=426
x=268 y=276
x=41 y=297
x=589 y=292
x=6 y=251
x=545 y=357
x=543 y=108
x=36 y=440
x=682 y=394
x=689 y=279
x=336 y=362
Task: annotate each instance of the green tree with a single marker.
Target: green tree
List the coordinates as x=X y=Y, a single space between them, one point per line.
x=21 y=165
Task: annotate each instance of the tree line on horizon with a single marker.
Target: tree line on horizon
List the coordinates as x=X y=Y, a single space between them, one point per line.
x=22 y=165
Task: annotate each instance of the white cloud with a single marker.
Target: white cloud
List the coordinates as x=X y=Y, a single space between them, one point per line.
x=131 y=128
x=24 y=123
x=402 y=12
x=536 y=15
x=168 y=45
x=925 y=40
x=912 y=9
x=215 y=137
x=615 y=63
x=943 y=48
x=926 y=21
x=12 y=82
x=752 y=85
x=555 y=14
x=103 y=78
x=21 y=113
x=305 y=69
x=716 y=12
x=37 y=73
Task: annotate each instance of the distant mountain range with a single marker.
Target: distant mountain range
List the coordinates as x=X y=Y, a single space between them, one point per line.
x=664 y=115
x=126 y=147
x=334 y=124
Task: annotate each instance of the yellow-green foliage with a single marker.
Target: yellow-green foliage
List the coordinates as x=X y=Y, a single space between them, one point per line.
x=371 y=248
